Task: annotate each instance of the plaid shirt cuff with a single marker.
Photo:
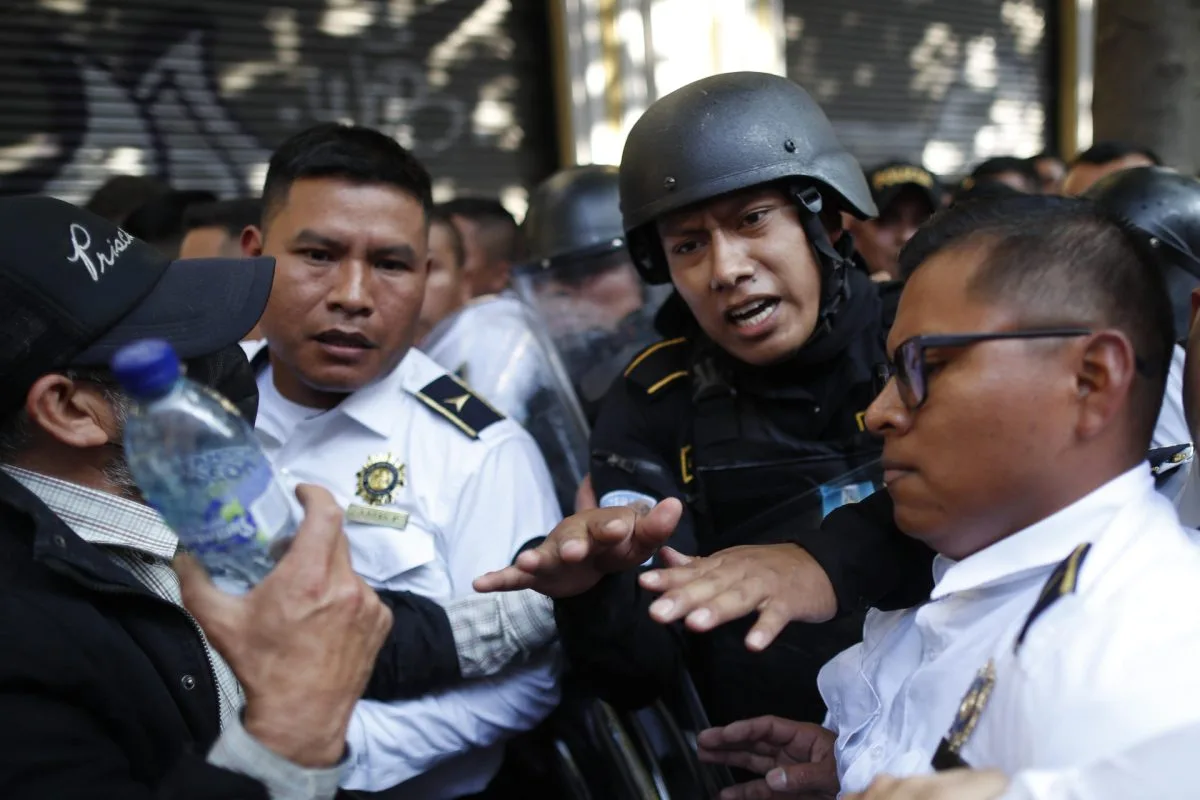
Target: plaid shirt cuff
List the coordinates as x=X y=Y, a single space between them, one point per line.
x=492 y=631
x=237 y=751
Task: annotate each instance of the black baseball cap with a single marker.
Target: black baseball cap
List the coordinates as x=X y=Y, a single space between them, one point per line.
x=75 y=288
x=889 y=180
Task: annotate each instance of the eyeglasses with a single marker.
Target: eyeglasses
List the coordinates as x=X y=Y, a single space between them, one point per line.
x=908 y=366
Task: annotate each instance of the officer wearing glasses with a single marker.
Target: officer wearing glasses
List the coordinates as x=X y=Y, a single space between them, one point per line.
x=1015 y=449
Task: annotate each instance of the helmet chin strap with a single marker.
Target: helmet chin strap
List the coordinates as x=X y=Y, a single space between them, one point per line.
x=835 y=289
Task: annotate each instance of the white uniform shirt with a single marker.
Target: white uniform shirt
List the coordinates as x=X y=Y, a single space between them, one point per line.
x=471 y=503
x=893 y=697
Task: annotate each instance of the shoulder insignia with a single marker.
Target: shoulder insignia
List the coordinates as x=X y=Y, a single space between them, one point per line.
x=659 y=365
x=947 y=755
x=1164 y=461
x=453 y=400
x=1061 y=583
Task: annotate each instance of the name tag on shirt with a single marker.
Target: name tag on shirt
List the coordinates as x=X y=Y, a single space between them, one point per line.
x=377 y=516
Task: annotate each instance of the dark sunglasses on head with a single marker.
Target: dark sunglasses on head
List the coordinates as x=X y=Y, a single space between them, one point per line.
x=908 y=367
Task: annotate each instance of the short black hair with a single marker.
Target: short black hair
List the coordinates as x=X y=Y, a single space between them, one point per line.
x=992 y=167
x=1064 y=261
x=232 y=216
x=970 y=191
x=501 y=235
x=350 y=152
x=438 y=216
x=1112 y=149
x=160 y=220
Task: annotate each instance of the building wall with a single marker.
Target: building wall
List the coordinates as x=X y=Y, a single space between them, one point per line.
x=946 y=82
x=200 y=91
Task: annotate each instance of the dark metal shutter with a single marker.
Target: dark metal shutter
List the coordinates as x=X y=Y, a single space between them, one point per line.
x=200 y=91
x=965 y=79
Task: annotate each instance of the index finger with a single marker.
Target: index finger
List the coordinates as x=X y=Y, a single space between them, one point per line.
x=771 y=730
x=509 y=579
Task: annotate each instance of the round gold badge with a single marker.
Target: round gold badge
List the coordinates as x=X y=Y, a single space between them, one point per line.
x=382 y=475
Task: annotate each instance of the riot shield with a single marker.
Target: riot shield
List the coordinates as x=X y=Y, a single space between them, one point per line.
x=499 y=347
x=596 y=311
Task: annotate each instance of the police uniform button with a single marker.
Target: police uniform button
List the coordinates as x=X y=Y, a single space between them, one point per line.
x=60 y=540
x=187 y=682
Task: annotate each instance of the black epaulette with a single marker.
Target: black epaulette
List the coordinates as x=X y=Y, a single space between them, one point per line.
x=660 y=365
x=454 y=400
x=1061 y=583
x=1166 y=461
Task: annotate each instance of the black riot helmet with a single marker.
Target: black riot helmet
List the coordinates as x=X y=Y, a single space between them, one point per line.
x=575 y=214
x=730 y=132
x=579 y=279
x=1164 y=205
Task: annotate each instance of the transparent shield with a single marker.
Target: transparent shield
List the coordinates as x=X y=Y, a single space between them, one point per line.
x=597 y=312
x=500 y=349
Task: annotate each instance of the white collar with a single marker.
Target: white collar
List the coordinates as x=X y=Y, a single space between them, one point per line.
x=374 y=406
x=1047 y=542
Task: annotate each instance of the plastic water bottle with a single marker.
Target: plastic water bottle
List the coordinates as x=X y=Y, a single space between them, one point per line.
x=198 y=464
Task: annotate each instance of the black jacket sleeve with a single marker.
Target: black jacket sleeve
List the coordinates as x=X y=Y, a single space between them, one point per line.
x=869 y=561
x=613 y=646
x=611 y=643
x=419 y=654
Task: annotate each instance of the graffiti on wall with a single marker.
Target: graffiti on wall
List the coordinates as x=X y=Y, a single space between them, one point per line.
x=200 y=98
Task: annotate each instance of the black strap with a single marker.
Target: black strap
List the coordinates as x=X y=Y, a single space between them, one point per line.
x=835 y=290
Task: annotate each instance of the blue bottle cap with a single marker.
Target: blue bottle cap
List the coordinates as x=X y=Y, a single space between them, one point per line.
x=147 y=369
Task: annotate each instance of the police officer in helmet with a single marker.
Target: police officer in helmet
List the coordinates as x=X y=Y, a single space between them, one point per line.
x=731 y=190
x=579 y=278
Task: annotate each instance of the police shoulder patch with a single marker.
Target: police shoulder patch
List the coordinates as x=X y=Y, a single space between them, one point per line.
x=1166 y=460
x=1061 y=583
x=454 y=401
x=660 y=365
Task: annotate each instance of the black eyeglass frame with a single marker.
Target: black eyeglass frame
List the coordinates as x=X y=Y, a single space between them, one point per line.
x=911 y=353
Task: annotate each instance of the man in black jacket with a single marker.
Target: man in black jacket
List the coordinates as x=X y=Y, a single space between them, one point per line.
x=108 y=687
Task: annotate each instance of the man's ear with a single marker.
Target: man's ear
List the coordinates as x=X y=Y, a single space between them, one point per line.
x=73 y=413
x=1195 y=306
x=252 y=241
x=1104 y=380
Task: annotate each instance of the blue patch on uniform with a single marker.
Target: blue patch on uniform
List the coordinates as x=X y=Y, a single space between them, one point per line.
x=838 y=495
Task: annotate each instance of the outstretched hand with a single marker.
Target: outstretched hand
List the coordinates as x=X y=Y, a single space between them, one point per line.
x=585 y=547
x=782 y=582
x=795 y=758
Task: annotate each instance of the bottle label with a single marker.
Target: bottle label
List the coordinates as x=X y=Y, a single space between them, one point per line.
x=242 y=503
